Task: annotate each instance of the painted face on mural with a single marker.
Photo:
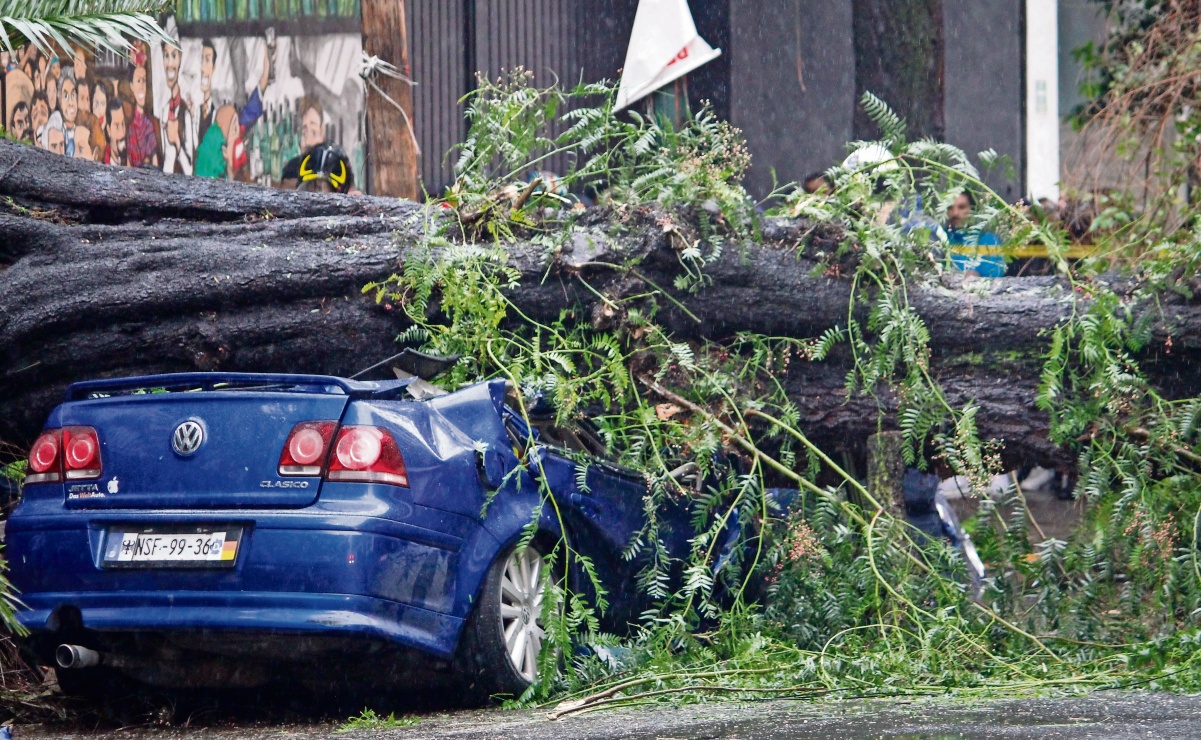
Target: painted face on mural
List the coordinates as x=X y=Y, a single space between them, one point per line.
x=137 y=83
x=69 y=102
x=171 y=57
x=84 y=98
x=312 y=130
x=80 y=63
x=83 y=142
x=114 y=129
x=56 y=141
x=20 y=122
x=99 y=101
x=52 y=92
x=208 y=60
x=41 y=112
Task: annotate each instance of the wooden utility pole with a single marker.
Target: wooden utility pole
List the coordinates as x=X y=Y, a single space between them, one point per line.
x=392 y=155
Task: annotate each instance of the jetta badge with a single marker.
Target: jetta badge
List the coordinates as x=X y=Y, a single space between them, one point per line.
x=187 y=438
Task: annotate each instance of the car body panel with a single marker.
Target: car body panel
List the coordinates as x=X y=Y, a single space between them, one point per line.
x=268 y=614
x=609 y=499
x=235 y=466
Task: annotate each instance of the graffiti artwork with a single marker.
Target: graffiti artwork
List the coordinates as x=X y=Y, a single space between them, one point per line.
x=248 y=86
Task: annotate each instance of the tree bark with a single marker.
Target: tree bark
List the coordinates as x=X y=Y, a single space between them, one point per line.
x=899 y=57
x=108 y=271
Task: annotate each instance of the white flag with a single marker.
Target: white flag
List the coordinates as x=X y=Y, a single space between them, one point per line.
x=663 y=47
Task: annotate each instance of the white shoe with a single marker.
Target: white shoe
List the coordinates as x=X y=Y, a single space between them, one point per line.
x=957 y=487
x=1038 y=479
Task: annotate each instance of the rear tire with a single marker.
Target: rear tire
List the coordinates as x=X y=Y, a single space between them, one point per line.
x=498 y=653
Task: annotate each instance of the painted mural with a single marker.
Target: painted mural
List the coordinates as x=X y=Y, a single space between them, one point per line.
x=250 y=85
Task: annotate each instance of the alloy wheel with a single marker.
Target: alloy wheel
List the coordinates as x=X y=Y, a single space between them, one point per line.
x=522 y=587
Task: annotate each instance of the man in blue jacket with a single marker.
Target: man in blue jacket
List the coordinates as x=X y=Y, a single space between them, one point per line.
x=965 y=252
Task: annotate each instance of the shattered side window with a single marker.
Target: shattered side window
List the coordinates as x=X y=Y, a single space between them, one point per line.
x=579 y=436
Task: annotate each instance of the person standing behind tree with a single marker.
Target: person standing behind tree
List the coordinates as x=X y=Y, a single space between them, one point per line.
x=312 y=133
x=966 y=255
x=817 y=183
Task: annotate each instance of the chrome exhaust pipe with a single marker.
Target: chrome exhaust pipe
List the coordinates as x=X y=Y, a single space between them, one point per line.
x=76 y=656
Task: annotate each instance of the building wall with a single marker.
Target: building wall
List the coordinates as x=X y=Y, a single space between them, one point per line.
x=1080 y=21
x=439 y=66
x=792 y=85
x=604 y=32
x=538 y=35
x=710 y=84
x=1085 y=162
x=984 y=83
x=792 y=88
x=786 y=76
x=450 y=40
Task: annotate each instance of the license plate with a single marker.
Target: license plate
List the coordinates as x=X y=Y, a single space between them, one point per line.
x=166 y=547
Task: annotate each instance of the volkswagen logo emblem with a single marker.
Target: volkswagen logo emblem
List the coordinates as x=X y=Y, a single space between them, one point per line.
x=187 y=438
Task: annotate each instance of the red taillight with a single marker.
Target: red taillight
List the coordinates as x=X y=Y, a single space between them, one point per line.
x=44 y=465
x=81 y=453
x=305 y=451
x=367 y=454
x=359 y=447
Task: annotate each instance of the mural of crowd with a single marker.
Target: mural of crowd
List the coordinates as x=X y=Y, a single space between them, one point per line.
x=226 y=106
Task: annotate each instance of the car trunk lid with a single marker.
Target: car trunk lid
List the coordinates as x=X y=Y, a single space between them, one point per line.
x=210 y=444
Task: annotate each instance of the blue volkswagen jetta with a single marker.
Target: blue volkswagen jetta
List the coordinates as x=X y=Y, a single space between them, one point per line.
x=224 y=530
x=234 y=530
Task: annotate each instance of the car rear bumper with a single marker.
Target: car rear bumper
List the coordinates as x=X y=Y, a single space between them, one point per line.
x=407 y=581
x=265 y=613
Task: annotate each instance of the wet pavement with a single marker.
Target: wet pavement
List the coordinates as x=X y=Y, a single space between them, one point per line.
x=1108 y=715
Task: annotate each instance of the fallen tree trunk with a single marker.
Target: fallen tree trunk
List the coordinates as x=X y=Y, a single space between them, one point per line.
x=110 y=271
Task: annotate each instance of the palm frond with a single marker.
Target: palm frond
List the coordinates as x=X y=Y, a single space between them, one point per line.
x=52 y=25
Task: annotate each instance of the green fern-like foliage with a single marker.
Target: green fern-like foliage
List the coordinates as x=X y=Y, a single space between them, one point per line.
x=64 y=24
x=892 y=126
x=856 y=597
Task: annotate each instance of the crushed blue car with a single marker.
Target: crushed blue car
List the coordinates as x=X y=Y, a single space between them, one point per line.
x=222 y=530
x=226 y=530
